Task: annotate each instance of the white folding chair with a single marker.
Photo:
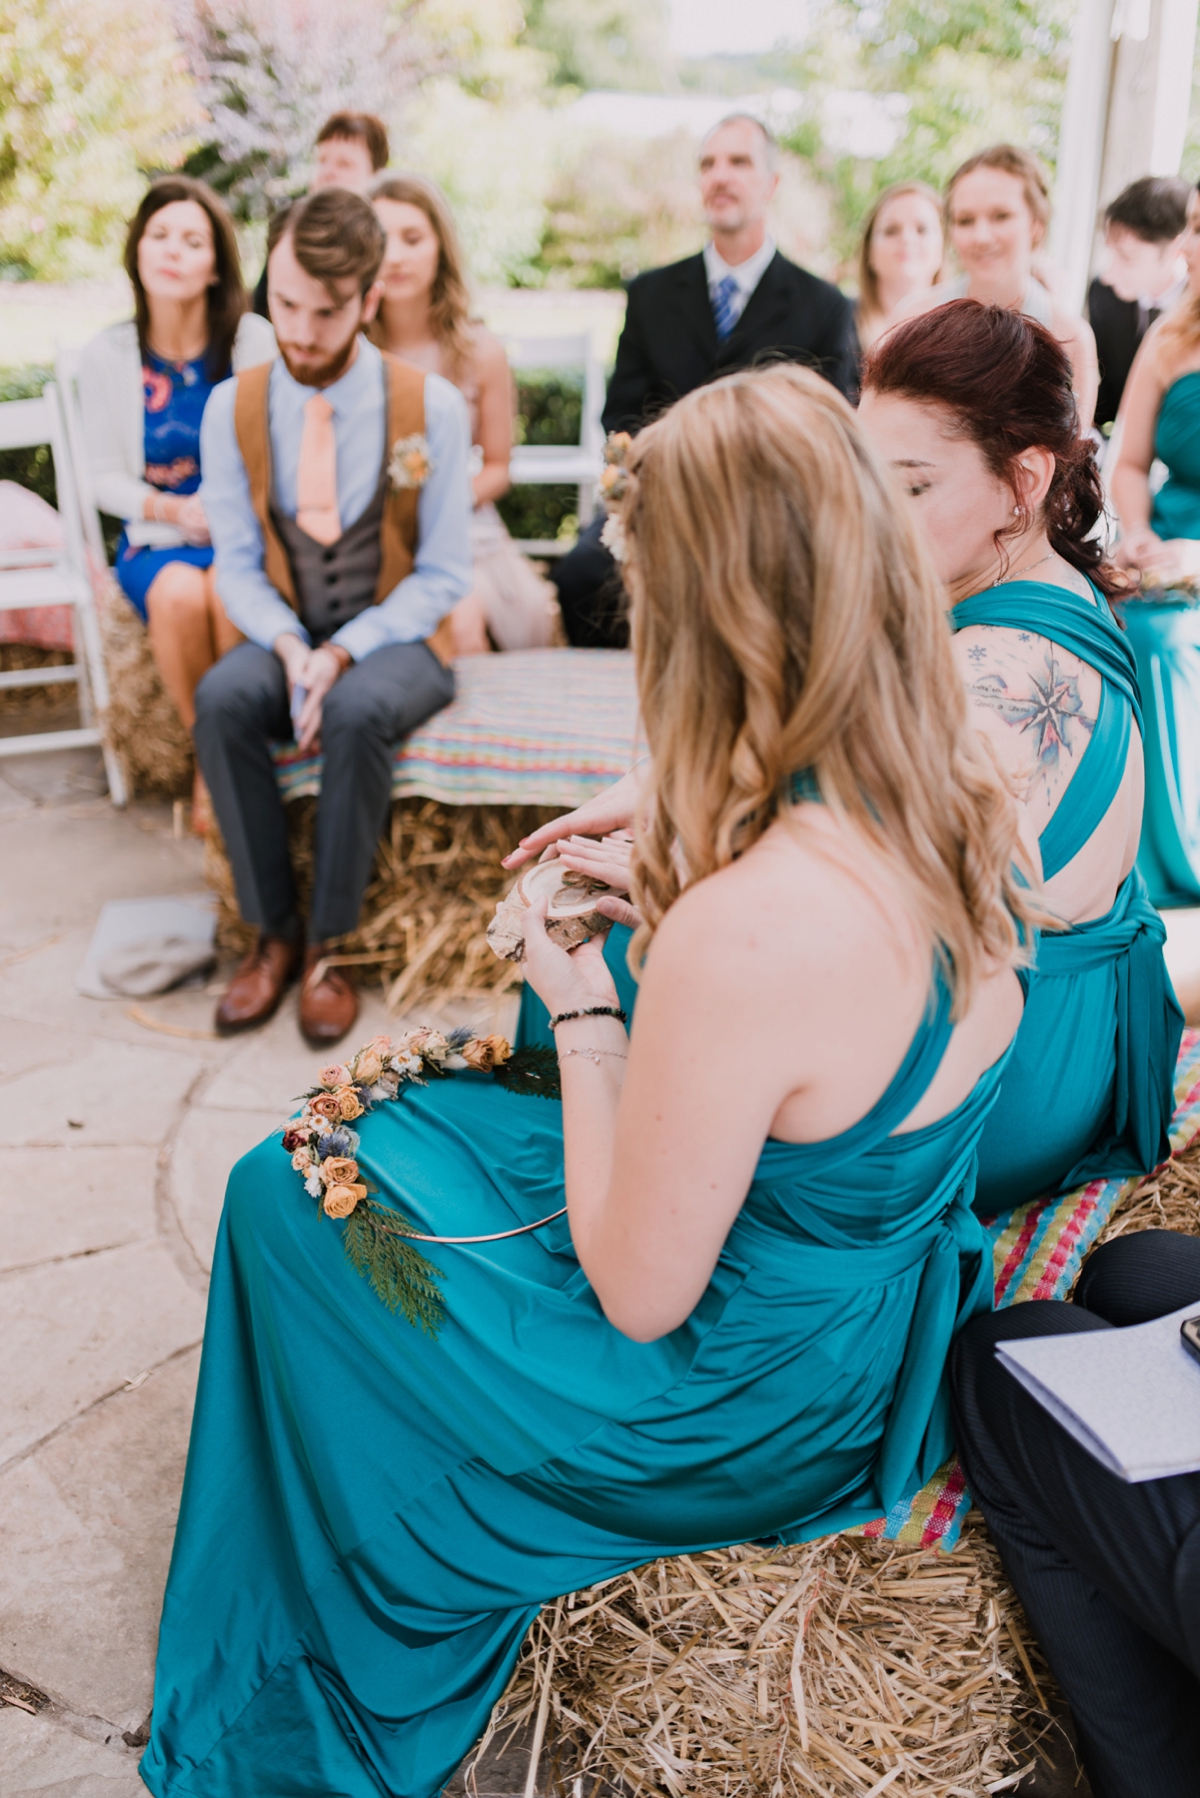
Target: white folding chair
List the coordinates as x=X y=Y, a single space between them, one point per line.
x=566 y=464
x=33 y=578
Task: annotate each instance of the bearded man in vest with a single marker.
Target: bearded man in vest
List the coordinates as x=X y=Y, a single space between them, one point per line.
x=337 y=493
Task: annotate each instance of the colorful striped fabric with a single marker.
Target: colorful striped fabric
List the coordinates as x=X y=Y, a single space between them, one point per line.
x=1037 y=1249
x=530 y=727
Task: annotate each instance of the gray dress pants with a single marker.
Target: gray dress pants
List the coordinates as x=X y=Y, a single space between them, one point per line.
x=242 y=709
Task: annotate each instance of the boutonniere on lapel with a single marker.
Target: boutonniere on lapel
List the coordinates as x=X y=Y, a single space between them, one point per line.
x=410 y=463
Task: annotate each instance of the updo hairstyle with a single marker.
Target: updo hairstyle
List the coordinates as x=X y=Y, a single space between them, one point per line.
x=1004 y=383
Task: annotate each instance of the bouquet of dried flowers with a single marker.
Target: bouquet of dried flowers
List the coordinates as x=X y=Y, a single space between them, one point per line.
x=323 y=1145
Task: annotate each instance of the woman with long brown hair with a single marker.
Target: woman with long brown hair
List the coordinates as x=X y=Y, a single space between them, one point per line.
x=900 y=253
x=711 y=1300
x=425 y=318
x=143 y=387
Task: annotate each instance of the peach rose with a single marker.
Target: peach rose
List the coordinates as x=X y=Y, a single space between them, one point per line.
x=341 y=1200
x=381 y=1046
x=367 y=1068
x=329 y=1105
x=302 y=1160
x=486 y=1052
x=333 y=1076
x=349 y=1105
x=339 y=1170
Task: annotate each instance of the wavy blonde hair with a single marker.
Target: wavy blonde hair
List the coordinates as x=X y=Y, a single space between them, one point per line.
x=450 y=299
x=784 y=616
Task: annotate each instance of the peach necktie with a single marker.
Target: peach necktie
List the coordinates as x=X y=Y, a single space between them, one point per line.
x=316 y=474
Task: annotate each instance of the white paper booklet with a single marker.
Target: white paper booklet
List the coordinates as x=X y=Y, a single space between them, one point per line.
x=1131 y=1397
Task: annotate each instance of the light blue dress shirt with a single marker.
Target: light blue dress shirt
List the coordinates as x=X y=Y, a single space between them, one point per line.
x=442 y=566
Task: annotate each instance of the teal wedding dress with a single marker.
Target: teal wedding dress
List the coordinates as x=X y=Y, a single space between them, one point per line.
x=371 y=1519
x=1088 y=1090
x=1165 y=638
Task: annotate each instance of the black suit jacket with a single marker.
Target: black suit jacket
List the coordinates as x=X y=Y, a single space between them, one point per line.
x=669 y=344
x=1115 y=323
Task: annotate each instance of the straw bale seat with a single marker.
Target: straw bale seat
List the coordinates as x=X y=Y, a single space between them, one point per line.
x=529 y=734
x=858 y=1664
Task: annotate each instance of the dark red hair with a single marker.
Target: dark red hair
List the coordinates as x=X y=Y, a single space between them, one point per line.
x=1006 y=384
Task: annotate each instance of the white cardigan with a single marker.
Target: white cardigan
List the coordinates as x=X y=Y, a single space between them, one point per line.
x=112 y=407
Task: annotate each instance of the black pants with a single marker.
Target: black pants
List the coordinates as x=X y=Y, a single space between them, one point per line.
x=1108 y=1573
x=591 y=593
x=242 y=708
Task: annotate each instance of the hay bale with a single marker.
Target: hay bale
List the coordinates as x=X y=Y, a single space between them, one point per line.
x=839 y=1667
x=1168 y=1199
x=141 y=724
x=34 y=708
x=434 y=887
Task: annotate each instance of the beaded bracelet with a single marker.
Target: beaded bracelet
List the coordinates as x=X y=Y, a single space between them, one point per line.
x=592 y=1011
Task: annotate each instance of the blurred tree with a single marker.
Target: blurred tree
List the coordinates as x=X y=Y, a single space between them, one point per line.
x=603 y=43
x=969 y=72
x=270 y=72
x=93 y=93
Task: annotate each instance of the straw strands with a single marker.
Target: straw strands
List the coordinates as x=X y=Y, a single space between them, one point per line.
x=839 y=1667
x=1168 y=1199
x=141 y=723
x=432 y=894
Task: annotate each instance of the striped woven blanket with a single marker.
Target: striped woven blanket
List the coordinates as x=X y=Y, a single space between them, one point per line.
x=531 y=727
x=1037 y=1249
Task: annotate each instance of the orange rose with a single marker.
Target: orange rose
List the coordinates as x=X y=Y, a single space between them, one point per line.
x=348 y=1103
x=367 y=1068
x=339 y=1170
x=341 y=1200
x=381 y=1046
x=329 y=1105
x=486 y=1052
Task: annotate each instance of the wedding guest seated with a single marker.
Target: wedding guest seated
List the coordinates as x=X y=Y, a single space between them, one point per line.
x=1142 y=278
x=900 y=253
x=1160 y=543
x=736 y=303
x=336 y=490
x=973 y=407
x=997 y=216
x=425 y=318
x=350 y=150
x=1108 y=1572
x=143 y=387
x=739 y=1328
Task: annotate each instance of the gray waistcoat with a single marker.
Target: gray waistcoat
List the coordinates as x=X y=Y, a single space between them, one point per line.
x=335 y=582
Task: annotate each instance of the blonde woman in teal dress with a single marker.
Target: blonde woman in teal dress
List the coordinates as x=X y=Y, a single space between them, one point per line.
x=1160 y=538
x=739 y=1327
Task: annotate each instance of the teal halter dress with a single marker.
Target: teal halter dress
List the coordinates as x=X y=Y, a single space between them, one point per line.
x=371 y=1519
x=1089 y=1088
x=1165 y=638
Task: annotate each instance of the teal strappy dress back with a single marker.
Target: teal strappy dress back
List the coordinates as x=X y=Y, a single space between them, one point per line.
x=1089 y=1088
x=1164 y=635
x=371 y=1520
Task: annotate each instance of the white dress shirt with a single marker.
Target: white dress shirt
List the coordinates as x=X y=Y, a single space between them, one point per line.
x=747 y=274
x=442 y=565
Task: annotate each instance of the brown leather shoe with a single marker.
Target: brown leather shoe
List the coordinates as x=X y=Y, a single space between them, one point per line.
x=328 y=1001
x=254 y=992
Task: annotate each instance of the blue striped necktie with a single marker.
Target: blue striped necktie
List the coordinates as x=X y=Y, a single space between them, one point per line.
x=723 y=296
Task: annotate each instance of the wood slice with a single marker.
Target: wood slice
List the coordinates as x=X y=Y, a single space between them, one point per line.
x=571 y=915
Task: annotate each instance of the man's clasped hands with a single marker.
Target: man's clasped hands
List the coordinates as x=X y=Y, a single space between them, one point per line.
x=310 y=675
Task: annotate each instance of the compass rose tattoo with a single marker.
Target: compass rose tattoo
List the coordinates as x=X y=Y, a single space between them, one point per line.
x=1045 y=707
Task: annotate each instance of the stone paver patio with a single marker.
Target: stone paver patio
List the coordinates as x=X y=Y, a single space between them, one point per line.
x=115 y=1142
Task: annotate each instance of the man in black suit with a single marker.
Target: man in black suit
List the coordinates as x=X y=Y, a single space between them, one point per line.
x=1142 y=278
x=737 y=303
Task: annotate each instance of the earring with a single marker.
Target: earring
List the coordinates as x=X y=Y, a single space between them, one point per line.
x=1016 y=511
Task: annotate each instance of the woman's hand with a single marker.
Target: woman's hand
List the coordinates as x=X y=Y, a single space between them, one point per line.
x=1137 y=548
x=190 y=521
x=565 y=980
x=609 y=811
x=609 y=859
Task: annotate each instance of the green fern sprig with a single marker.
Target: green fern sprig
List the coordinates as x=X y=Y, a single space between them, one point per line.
x=400 y=1275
